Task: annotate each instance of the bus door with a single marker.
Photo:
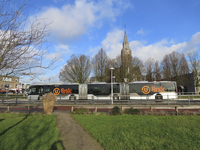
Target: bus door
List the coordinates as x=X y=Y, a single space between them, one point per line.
x=36 y=92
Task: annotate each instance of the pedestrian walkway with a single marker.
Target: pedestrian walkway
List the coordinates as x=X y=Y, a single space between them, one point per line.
x=72 y=135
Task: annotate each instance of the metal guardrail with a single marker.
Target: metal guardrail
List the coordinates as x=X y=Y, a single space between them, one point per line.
x=98 y=100
x=188 y=93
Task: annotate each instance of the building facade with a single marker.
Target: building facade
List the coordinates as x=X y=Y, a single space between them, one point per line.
x=9 y=82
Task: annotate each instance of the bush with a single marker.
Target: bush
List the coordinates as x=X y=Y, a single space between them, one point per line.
x=80 y=110
x=116 y=110
x=48 y=102
x=132 y=111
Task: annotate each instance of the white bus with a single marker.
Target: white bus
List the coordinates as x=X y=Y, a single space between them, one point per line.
x=153 y=90
x=135 y=90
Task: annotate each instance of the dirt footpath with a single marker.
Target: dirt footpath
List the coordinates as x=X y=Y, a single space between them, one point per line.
x=72 y=135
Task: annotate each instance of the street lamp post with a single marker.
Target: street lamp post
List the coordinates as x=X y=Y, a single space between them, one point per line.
x=6 y=86
x=111 y=85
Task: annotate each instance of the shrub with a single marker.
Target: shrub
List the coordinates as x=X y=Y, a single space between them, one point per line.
x=80 y=110
x=132 y=111
x=116 y=110
x=48 y=102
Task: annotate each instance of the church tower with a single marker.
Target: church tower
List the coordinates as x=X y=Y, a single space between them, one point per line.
x=126 y=55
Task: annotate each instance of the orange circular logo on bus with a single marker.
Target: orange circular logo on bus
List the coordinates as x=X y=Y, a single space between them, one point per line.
x=145 y=90
x=56 y=91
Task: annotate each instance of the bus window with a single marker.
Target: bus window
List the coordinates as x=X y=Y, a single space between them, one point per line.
x=135 y=88
x=116 y=88
x=32 y=91
x=99 y=89
x=47 y=90
x=40 y=90
x=169 y=87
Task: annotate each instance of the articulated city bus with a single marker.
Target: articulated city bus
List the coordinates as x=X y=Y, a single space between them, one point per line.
x=153 y=90
x=133 y=90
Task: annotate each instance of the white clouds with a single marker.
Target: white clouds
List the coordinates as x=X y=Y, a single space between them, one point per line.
x=156 y=50
x=140 y=32
x=112 y=44
x=60 y=51
x=193 y=44
x=72 y=21
x=43 y=79
x=114 y=39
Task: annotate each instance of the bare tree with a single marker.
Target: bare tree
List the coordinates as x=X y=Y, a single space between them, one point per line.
x=175 y=67
x=21 y=46
x=138 y=67
x=174 y=59
x=183 y=67
x=100 y=63
x=194 y=67
x=136 y=62
x=166 y=68
x=156 y=71
x=149 y=68
x=76 y=70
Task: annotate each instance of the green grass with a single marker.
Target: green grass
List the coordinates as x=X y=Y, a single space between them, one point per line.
x=28 y=132
x=143 y=132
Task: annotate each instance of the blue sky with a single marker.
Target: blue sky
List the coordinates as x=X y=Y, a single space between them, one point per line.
x=154 y=28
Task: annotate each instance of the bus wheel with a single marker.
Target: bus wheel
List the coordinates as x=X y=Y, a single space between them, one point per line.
x=115 y=97
x=72 y=97
x=159 y=97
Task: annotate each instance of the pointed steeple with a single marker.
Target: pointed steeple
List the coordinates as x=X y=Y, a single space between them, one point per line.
x=125 y=42
x=125 y=36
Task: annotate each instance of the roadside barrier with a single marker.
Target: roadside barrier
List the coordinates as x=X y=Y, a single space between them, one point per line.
x=92 y=100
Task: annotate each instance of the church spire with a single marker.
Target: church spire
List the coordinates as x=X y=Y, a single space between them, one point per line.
x=125 y=36
x=125 y=43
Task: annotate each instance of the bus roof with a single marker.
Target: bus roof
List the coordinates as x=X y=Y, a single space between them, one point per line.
x=54 y=84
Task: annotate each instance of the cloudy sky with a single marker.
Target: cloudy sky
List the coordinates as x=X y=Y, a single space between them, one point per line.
x=154 y=28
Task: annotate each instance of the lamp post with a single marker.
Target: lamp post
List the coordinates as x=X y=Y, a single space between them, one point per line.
x=111 y=85
x=6 y=86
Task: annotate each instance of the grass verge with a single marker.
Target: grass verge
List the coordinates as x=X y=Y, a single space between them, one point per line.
x=29 y=132
x=143 y=132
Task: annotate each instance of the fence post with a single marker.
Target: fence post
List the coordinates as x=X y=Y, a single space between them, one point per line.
x=168 y=99
x=8 y=109
x=16 y=99
x=2 y=99
x=147 y=98
x=72 y=109
x=95 y=109
x=188 y=100
x=30 y=100
x=29 y=109
x=92 y=100
x=75 y=101
x=176 y=108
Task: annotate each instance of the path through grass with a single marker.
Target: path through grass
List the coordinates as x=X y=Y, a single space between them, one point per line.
x=143 y=132
x=28 y=132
